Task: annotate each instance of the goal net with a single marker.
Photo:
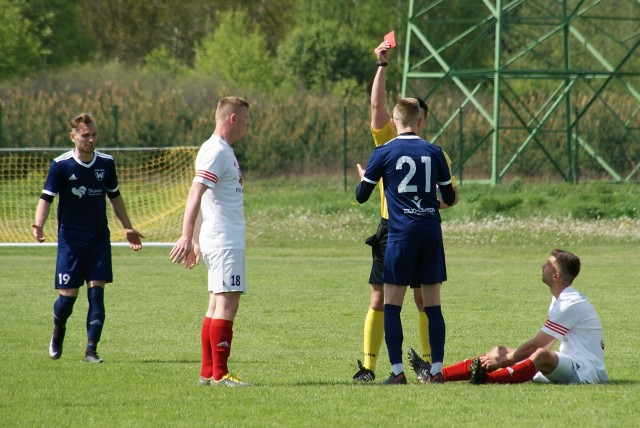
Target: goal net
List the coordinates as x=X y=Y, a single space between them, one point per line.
x=154 y=183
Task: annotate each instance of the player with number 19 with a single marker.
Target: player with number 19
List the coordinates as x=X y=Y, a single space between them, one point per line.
x=82 y=178
x=411 y=169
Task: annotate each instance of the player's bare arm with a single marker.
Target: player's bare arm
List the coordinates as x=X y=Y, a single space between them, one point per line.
x=192 y=258
x=184 y=246
x=42 y=213
x=132 y=236
x=504 y=357
x=379 y=115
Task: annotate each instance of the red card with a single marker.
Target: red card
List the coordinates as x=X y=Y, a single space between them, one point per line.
x=391 y=38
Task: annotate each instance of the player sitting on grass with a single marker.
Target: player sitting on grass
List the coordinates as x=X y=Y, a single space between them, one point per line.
x=571 y=319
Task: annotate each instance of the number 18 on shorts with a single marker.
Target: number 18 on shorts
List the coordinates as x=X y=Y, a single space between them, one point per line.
x=226 y=271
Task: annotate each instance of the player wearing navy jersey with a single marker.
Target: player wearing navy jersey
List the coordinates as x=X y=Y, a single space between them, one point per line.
x=411 y=169
x=571 y=319
x=82 y=179
x=383 y=132
x=213 y=228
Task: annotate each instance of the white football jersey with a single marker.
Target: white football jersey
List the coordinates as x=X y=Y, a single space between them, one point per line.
x=222 y=205
x=574 y=321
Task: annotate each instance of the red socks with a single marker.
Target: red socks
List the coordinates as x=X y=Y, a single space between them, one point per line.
x=520 y=372
x=220 y=335
x=206 y=369
x=457 y=371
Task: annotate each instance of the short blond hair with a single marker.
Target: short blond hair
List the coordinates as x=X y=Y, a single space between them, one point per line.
x=407 y=112
x=229 y=105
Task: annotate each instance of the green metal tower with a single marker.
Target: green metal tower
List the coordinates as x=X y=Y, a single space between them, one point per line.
x=529 y=85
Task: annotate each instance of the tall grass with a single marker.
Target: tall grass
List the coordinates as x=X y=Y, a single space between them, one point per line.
x=304 y=132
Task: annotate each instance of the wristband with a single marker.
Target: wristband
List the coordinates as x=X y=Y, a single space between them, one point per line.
x=36 y=226
x=382 y=64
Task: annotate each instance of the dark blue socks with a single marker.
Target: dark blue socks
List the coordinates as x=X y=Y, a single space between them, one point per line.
x=95 y=316
x=393 y=335
x=437 y=332
x=62 y=309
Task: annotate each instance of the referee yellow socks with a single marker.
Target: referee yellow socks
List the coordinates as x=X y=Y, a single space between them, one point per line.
x=373 y=337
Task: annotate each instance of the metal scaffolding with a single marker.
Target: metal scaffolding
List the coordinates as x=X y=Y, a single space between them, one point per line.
x=536 y=75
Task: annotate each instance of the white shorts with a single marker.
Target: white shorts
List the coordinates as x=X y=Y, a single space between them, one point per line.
x=226 y=272
x=565 y=372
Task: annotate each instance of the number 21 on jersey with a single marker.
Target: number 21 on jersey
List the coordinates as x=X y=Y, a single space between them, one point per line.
x=404 y=186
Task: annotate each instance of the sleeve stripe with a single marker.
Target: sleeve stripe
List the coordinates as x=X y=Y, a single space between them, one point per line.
x=369 y=181
x=556 y=327
x=203 y=173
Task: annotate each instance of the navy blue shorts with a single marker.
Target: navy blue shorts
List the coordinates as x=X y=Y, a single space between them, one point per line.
x=378 y=243
x=416 y=261
x=75 y=267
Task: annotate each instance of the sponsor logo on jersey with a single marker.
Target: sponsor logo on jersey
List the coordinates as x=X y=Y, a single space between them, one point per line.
x=79 y=191
x=73 y=177
x=418 y=209
x=99 y=173
x=82 y=191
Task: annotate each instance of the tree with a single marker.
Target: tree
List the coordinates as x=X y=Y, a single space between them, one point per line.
x=18 y=46
x=368 y=20
x=272 y=19
x=128 y=30
x=237 y=55
x=362 y=26
x=54 y=23
x=323 y=54
x=161 y=60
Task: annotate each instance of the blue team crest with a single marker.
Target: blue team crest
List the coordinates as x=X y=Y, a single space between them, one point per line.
x=99 y=173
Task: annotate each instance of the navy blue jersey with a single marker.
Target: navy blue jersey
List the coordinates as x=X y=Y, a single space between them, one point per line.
x=82 y=189
x=411 y=167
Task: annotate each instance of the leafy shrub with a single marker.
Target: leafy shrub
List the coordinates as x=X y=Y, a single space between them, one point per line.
x=491 y=206
x=588 y=211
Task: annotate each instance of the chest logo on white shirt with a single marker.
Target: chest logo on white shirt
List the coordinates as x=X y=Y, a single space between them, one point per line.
x=99 y=173
x=79 y=191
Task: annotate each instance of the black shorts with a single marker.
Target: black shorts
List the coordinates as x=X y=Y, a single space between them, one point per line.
x=378 y=243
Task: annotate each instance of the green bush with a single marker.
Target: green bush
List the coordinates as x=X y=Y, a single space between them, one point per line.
x=491 y=206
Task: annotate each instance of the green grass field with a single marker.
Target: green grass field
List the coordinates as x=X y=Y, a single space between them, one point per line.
x=299 y=331
x=297 y=337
